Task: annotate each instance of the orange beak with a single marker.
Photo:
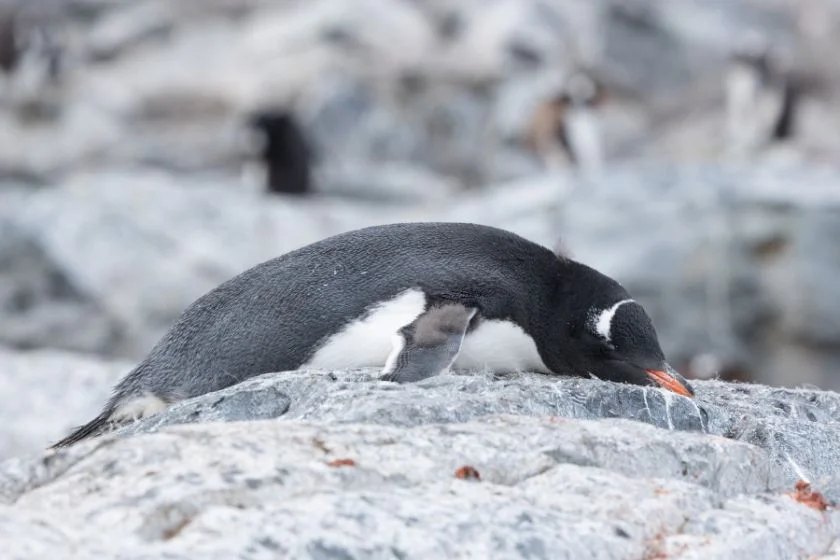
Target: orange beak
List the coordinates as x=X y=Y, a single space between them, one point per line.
x=671 y=380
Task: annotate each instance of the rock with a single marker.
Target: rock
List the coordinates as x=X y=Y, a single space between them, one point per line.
x=77 y=135
x=384 y=184
x=44 y=391
x=527 y=207
x=350 y=453
x=440 y=126
x=834 y=553
x=777 y=420
x=123 y=29
x=41 y=306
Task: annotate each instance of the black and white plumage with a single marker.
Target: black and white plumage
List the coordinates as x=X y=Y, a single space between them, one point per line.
x=285 y=153
x=761 y=99
x=566 y=129
x=579 y=128
x=340 y=302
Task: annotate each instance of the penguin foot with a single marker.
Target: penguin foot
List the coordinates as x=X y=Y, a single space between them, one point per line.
x=428 y=345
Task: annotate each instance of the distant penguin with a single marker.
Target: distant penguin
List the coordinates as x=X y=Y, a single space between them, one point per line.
x=761 y=100
x=410 y=298
x=31 y=64
x=10 y=43
x=284 y=153
x=566 y=129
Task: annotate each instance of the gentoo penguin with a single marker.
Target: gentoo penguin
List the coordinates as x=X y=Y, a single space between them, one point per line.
x=10 y=44
x=761 y=100
x=477 y=296
x=284 y=152
x=31 y=61
x=566 y=129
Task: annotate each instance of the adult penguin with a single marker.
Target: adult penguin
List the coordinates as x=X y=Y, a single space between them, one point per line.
x=412 y=298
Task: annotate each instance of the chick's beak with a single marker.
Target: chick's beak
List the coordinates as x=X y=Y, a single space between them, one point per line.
x=671 y=380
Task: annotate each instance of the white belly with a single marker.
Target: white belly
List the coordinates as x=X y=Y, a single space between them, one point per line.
x=498 y=346
x=367 y=343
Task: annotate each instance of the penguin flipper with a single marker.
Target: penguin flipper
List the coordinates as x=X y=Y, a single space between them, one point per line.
x=428 y=345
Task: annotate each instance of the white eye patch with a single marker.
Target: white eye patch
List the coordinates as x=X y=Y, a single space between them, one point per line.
x=602 y=321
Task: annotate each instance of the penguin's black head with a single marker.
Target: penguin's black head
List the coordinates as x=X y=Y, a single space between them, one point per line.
x=617 y=342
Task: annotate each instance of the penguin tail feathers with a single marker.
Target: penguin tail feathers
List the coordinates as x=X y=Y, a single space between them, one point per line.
x=95 y=427
x=124 y=408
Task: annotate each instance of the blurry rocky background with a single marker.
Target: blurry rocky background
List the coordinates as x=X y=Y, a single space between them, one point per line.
x=150 y=149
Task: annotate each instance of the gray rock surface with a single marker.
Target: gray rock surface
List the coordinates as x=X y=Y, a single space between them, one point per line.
x=44 y=392
x=797 y=428
x=39 y=305
x=357 y=468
